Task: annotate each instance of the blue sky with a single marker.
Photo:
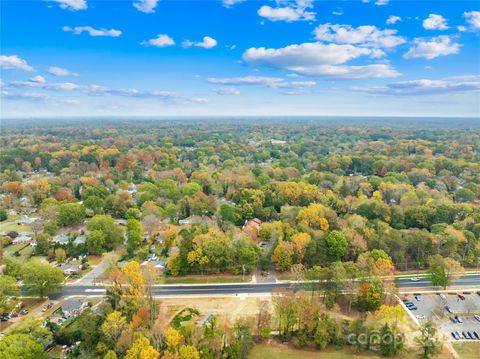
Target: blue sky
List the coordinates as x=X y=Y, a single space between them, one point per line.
x=231 y=57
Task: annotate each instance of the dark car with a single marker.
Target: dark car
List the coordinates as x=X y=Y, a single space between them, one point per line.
x=465 y=335
x=461 y=296
x=475 y=334
x=447 y=308
x=454 y=335
x=470 y=335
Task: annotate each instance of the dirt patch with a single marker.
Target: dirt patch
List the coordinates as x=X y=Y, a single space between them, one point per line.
x=226 y=309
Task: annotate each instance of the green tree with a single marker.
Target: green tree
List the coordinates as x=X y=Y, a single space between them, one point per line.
x=41 y=277
x=428 y=342
x=443 y=270
x=134 y=235
x=391 y=343
x=336 y=245
x=15 y=346
x=106 y=224
x=8 y=292
x=96 y=242
x=71 y=213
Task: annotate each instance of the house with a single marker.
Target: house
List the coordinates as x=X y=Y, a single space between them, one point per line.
x=160 y=238
x=121 y=222
x=159 y=264
x=69 y=269
x=252 y=227
x=278 y=142
x=73 y=307
x=185 y=221
x=61 y=239
x=205 y=320
x=80 y=240
x=23 y=238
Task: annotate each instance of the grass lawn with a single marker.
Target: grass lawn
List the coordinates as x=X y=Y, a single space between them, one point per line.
x=204 y=279
x=279 y=351
x=12 y=248
x=15 y=227
x=94 y=260
x=467 y=350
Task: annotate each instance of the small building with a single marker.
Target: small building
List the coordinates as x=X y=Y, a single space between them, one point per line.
x=205 y=320
x=61 y=239
x=22 y=238
x=80 y=240
x=69 y=269
x=121 y=222
x=252 y=227
x=73 y=307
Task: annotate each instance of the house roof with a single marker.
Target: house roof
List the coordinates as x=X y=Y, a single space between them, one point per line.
x=73 y=304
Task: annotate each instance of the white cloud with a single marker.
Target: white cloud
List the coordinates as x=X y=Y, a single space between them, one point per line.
x=431 y=48
x=473 y=19
x=461 y=84
x=338 y=11
x=271 y=82
x=226 y=91
x=321 y=60
x=206 y=43
x=162 y=40
x=367 y=35
x=77 y=30
x=289 y=11
x=14 y=62
x=230 y=3
x=73 y=5
x=382 y=2
x=435 y=22
x=393 y=19
x=59 y=71
x=40 y=83
x=39 y=79
x=146 y=6
x=167 y=96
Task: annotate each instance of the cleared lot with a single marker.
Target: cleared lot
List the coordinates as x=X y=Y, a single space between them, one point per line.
x=444 y=307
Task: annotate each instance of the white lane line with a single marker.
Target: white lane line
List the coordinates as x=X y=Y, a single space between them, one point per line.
x=95 y=290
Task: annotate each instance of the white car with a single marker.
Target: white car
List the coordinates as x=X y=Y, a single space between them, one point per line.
x=477 y=317
x=414 y=279
x=420 y=316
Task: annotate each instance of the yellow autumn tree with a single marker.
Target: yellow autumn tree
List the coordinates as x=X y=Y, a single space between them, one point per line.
x=134 y=282
x=142 y=349
x=173 y=339
x=300 y=242
x=189 y=352
x=113 y=326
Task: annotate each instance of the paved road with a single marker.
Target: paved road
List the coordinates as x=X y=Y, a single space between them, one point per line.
x=240 y=288
x=468 y=280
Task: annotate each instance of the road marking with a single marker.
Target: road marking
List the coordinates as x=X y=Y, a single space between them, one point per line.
x=95 y=290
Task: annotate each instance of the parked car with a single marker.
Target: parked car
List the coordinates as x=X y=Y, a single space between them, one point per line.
x=455 y=336
x=459 y=320
x=453 y=320
x=475 y=334
x=420 y=316
x=459 y=334
x=442 y=296
x=477 y=317
x=464 y=334
x=418 y=297
x=447 y=308
x=24 y=312
x=470 y=336
x=414 y=279
x=461 y=296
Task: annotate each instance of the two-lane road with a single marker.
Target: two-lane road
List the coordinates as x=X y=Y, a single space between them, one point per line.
x=469 y=280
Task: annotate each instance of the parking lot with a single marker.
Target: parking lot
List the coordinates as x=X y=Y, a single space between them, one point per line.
x=435 y=306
